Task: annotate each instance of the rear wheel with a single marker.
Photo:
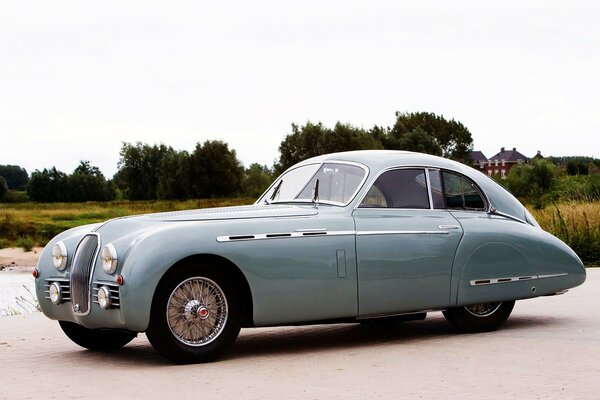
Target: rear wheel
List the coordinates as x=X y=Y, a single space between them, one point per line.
x=96 y=339
x=483 y=317
x=195 y=315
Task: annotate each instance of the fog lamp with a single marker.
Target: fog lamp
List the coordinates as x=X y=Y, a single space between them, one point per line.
x=104 y=297
x=55 y=293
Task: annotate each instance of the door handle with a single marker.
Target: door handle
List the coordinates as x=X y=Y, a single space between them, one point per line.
x=449 y=227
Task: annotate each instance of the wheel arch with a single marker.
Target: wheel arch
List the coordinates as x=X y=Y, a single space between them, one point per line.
x=238 y=279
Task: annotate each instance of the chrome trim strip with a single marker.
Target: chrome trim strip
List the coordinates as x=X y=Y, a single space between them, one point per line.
x=319 y=232
x=364 y=233
x=493 y=281
x=552 y=275
x=493 y=211
x=282 y=235
x=428 y=184
x=449 y=227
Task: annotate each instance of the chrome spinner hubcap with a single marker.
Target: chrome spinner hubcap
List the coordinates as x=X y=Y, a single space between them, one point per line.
x=197 y=311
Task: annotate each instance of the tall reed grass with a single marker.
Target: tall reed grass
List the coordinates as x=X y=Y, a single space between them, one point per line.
x=577 y=224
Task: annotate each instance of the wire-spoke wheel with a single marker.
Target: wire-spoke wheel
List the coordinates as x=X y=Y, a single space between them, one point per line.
x=195 y=315
x=197 y=311
x=482 y=317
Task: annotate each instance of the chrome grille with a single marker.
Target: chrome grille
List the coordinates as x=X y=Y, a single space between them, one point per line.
x=83 y=265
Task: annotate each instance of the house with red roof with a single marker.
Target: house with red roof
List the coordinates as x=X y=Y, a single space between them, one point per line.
x=499 y=164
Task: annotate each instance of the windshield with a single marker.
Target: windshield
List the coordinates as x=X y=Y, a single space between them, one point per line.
x=337 y=183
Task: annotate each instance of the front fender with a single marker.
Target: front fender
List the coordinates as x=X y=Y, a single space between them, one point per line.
x=151 y=255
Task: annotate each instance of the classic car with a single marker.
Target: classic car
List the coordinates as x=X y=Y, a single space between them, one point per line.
x=345 y=237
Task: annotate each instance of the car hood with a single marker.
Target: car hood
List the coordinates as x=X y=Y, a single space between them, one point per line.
x=133 y=223
x=241 y=212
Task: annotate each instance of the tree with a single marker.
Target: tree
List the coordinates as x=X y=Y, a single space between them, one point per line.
x=140 y=169
x=48 y=185
x=535 y=181
x=577 y=167
x=87 y=183
x=423 y=132
x=430 y=133
x=16 y=177
x=420 y=141
x=174 y=180
x=215 y=169
x=257 y=179
x=312 y=140
x=3 y=188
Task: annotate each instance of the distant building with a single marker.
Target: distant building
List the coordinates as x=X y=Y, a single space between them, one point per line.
x=499 y=164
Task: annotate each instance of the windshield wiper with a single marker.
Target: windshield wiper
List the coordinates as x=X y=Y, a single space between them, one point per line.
x=275 y=192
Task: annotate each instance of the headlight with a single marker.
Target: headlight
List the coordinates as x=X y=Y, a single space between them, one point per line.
x=104 y=297
x=59 y=256
x=109 y=259
x=55 y=293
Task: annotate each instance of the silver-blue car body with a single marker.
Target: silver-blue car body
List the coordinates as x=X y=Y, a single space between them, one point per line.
x=354 y=236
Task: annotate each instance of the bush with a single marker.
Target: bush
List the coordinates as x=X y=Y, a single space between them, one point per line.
x=3 y=188
x=26 y=243
x=535 y=181
x=3 y=244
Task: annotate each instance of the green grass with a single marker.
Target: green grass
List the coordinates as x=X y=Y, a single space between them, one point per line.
x=22 y=224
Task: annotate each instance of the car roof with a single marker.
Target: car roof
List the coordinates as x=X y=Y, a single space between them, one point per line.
x=377 y=160
x=380 y=160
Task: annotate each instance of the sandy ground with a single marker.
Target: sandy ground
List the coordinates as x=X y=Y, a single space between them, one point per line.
x=548 y=349
x=16 y=259
x=16 y=282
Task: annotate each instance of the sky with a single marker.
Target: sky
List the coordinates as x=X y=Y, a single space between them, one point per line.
x=79 y=78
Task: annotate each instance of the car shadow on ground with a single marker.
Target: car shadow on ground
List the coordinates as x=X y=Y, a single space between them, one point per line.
x=315 y=338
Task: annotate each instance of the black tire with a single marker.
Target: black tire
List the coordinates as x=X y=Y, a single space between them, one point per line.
x=483 y=317
x=196 y=315
x=96 y=339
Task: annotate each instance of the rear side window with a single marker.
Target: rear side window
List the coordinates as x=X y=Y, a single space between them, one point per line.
x=400 y=188
x=461 y=193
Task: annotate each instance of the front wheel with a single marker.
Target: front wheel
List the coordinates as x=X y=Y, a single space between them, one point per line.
x=96 y=339
x=484 y=317
x=195 y=315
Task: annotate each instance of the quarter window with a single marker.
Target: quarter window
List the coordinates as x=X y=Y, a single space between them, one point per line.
x=400 y=188
x=460 y=193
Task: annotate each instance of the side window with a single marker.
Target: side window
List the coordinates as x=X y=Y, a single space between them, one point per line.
x=460 y=193
x=399 y=188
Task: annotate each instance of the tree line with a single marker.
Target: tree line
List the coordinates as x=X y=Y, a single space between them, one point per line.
x=212 y=169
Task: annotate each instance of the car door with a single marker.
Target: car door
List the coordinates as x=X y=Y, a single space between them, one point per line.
x=405 y=243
